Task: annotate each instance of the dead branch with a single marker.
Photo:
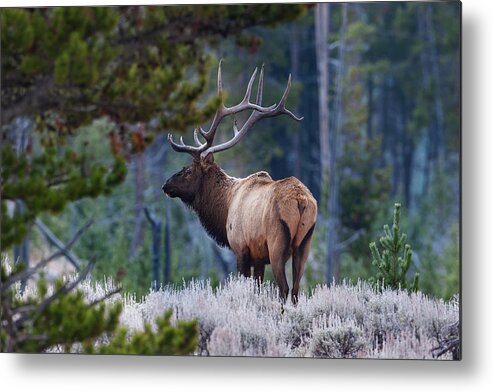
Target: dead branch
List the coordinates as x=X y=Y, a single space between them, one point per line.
x=450 y=343
x=24 y=275
x=52 y=239
x=66 y=288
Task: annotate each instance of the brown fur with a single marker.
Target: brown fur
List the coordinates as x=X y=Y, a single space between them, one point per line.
x=263 y=221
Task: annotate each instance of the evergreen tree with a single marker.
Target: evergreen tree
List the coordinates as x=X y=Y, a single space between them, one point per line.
x=63 y=67
x=392 y=267
x=63 y=319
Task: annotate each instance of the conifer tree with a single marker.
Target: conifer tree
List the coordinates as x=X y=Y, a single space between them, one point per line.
x=392 y=267
x=62 y=319
x=64 y=67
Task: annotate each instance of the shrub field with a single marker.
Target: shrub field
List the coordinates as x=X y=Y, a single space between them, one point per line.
x=340 y=321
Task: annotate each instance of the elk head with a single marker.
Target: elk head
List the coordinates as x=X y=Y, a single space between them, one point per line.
x=187 y=182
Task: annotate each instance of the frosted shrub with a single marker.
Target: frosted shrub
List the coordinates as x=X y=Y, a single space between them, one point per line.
x=338 y=342
x=225 y=342
x=340 y=321
x=333 y=338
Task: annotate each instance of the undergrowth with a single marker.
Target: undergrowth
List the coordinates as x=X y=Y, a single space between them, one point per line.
x=341 y=321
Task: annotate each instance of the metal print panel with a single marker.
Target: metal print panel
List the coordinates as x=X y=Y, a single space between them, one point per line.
x=263 y=180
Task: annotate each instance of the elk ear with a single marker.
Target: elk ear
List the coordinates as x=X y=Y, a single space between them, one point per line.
x=208 y=159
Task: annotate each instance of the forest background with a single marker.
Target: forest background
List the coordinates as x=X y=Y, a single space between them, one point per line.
x=377 y=84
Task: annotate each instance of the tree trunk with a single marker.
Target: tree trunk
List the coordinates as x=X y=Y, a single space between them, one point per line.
x=322 y=54
x=155 y=247
x=294 y=56
x=429 y=59
x=321 y=37
x=167 y=243
x=139 y=181
x=430 y=132
x=334 y=185
x=407 y=153
x=437 y=88
x=369 y=123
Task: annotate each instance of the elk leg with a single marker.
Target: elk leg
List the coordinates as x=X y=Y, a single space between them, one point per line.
x=243 y=264
x=300 y=255
x=258 y=272
x=278 y=257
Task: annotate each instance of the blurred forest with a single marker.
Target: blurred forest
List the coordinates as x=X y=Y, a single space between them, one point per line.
x=89 y=94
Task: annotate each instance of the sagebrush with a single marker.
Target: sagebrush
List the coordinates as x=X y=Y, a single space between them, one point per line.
x=340 y=321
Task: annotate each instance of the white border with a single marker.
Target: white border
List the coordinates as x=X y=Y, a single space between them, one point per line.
x=82 y=373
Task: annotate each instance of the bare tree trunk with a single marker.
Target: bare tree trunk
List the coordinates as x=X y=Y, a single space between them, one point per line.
x=407 y=153
x=426 y=80
x=294 y=54
x=432 y=80
x=156 y=247
x=334 y=185
x=139 y=181
x=322 y=53
x=369 y=121
x=395 y=136
x=321 y=37
x=437 y=95
x=384 y=124
x=167 y=243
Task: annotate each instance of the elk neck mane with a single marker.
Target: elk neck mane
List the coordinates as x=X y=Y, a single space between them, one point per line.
x=212 y=203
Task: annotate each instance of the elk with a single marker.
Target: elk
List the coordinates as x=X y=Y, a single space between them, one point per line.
x=261 y=220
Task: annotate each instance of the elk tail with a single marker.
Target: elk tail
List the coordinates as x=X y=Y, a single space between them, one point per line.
x=306 y=223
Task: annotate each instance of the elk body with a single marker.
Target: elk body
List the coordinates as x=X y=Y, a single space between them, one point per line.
x=261 y=220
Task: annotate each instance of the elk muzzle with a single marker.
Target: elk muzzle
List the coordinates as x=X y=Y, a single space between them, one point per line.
x=168 y=189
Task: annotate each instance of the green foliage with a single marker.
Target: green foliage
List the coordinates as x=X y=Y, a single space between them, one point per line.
x=48 y=180
x=392 y=267
x=181 y=339
x=65 y=67
x=354 y=269
x=128 y=63
x=63 y=318
x=36 y=322
x=440 y=271
x=451 y=263
x=439 y=253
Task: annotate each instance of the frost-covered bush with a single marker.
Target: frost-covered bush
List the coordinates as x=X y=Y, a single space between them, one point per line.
x=332 y=338
x=341 y=321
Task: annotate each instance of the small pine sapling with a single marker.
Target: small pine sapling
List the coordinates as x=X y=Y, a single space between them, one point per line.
x=393 y=268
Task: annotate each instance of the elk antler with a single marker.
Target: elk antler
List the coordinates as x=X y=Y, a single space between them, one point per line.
x=258 y=112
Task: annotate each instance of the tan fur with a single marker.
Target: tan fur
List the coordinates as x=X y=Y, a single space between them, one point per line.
x=263 y=221
x=255 y=227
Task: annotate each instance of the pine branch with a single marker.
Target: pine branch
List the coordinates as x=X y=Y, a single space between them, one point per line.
x=66 y=288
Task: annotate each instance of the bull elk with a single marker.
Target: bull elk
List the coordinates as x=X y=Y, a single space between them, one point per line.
x=263 y=221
